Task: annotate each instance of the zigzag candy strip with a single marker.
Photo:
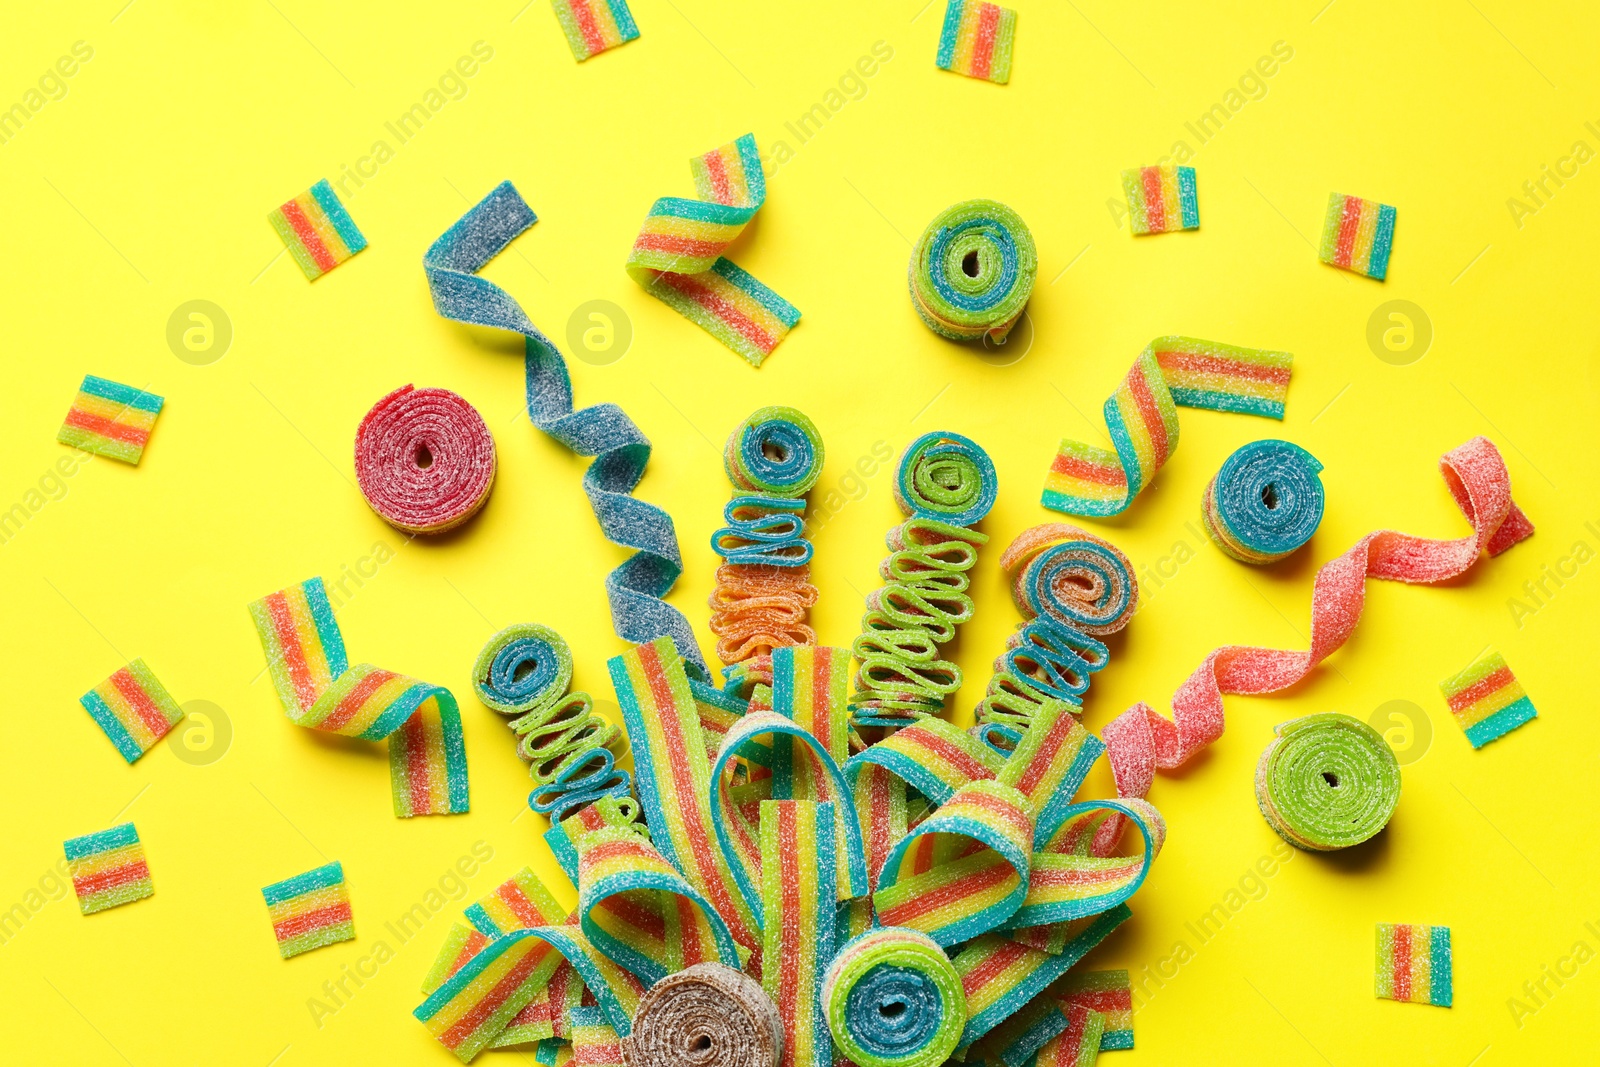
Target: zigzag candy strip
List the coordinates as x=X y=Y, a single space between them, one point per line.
x=317 y=230
x=310 y=910
x=108 y=868
x=109 y=419
x=1142 y=418
x=1414 y=963
x=133 y=708
x=636 y=587
x=1357 y=235
x=320 y=690
x=593 y=26
x=1487 y=700
x=799 y=893
x=893 y=999
x=1140 y=740
x=677 y=256
x=1161 y=199
x=977 y=40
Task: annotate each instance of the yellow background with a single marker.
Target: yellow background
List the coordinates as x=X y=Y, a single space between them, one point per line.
x=147 y=183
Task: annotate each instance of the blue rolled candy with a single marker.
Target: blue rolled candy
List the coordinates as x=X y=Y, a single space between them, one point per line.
x=1265 y=502
x=521 y=667
x=764 y=529
x=776 y=451
x=947 y=477
x=893 y=999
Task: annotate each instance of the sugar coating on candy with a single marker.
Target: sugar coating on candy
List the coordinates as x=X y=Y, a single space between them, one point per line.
x=799 y=909
x=709 y=1015
x=109 y=419
x=1079 y=1044
x=317 y=230
x=1414 y=964
x=1357 y=235
x=1327 y=782
x=1139 y=740
x=1265 y=502
x=1108 y=992
x=1161 y=199
x=1142 y=418
x=977 y=40
x=634 y=590
x=310 y=910
x=678 y=259
x=133 y=708
x=592 y=26
x=108 y=868
x=893 y=999
x=425 y=460
x=972 y=270
x=1487 y=700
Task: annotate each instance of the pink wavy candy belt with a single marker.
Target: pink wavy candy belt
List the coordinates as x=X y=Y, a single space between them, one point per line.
x=1140 y=740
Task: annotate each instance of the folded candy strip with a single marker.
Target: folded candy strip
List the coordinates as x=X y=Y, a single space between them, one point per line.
x=133 y=708
x=1487 y=700
x=310 y=910
x=108 y=868
x=110 y=419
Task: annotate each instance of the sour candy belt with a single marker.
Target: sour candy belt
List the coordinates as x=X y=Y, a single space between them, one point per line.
x=636 y=587
x=1327 y=782
x=1161 y=199
x=1414 y=963
x=593 y=26
x=321 y=690
x=109 y=419
x=108 y=868
x=1142 y=418
x=678 y=259
x=317 y=230
x=310 y=910
x=425 y=460
x=1265 y=502
x=972 y=270
x=799 y=906
x=1140 y=740
x=977 y=40
x=1357 y=235
x=133 y=708
x=1487 y=700
x=893 y=999
x=707 y=1015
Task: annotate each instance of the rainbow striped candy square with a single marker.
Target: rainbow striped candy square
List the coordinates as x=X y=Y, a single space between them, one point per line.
x=1161 y=199
x=316 y=229
x=310 y=910
x=1414 y=963
x=1487 y=700
x=108 y=869
x=592 y=26
x=133 y=708
x=1357 y=235
x=977 y=40
x=110 y=419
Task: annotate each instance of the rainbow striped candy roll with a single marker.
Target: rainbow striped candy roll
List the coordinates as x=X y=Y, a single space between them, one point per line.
x=592 y=26
x=1108 y=992
x=310 y=910
x=893 y=999
x=133 y=708
x=1414 y=963
x=1265 y=502
x=1066 y=880
x=674 y=778
x=320 y=690
x=1000 y=975
x=316 y=229
x=799 y=908
x=707 y=1015
x=678 y=259
x=110 y=420
x=1487 y=700
x=1161 y=199
x=972 y=271
x=108 y=868
x=1142 y=418
x=1357 y=235
x=977 y=40
x=1327 y=782
x=1079 y=1044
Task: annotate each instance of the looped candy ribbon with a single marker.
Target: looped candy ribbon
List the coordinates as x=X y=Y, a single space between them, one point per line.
x=322 y=691
x=1142 y=418
x=678 y=259
x=621 y=451
x=1140 y=740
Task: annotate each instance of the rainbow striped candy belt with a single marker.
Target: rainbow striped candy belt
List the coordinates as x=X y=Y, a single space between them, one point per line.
x=321 y=690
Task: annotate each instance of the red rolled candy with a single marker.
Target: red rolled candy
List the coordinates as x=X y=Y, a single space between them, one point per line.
x=424 y=459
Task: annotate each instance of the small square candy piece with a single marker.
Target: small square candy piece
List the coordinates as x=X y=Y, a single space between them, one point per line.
x=1414 y=963
x=1161 y=199
x=316 y=229
x=977 y=40
x=592 y=26
x=1487 y=700
x=133 y=708
x=110 y=420
x=1357 y=235
x=310 y=910
x=108 y=868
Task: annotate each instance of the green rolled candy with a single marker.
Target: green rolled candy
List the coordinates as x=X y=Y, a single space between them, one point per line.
x=972 y=271
x=1327 y=782
x=893 y=999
